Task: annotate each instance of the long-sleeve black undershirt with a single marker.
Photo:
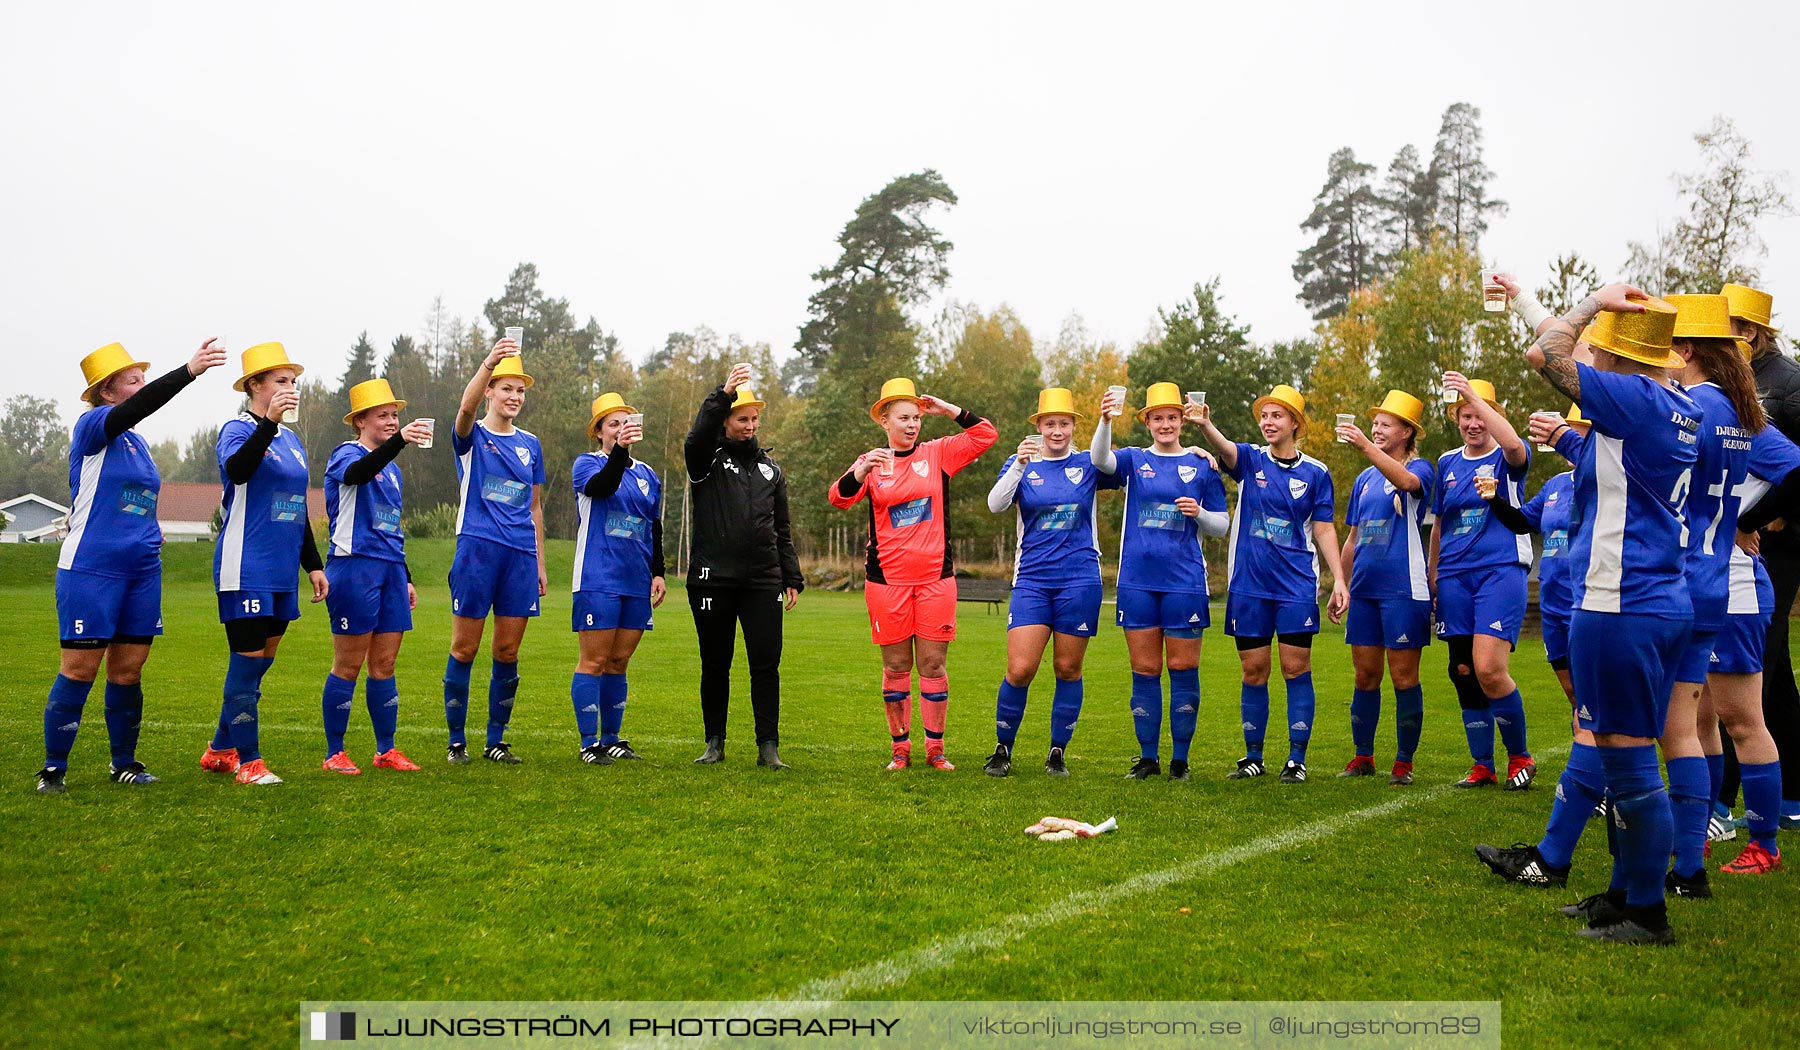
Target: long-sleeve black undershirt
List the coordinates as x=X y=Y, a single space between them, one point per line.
x=848 y=486
x=240 y=465
x=309 y=552
x=364 y=470
x=150 y=397
x=606 y=481
x=1510 y=516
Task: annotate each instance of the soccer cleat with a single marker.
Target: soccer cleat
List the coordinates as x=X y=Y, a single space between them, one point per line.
x=1247 y=768
x=1754 y=860
x=502 y=754
x=51 y=781
x=999 y=764
x=1145 y=768
x=1521 y=862
x=621 y=750
x=1636 y=926
x=902 y=758
x=1360 y=766
x=936 y=760
x=1054 y=764
x=1521 y=770
x=1719 y=828
x=1402 y=774
x=393 y=759
x=595 y=755
x=1692 y=886
x=1293 y=773
x=1479 y=776
x=133 y=773
x=458 y=755
x=1599 y=908
x=768 y=754
x=714 y=753
x=255 y=772
x=340 y=763
x=1178 y=769
x=225 y=761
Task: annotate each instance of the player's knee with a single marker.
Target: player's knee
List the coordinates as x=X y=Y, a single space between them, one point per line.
x=1367 y=679
x=1495 y=681
x=1151 y=667
x=1067 y=670
x=378 y=668
x=616 y=664
x=932 y=667
x=505 y=652
x=1020 y=675
x=1256 y=674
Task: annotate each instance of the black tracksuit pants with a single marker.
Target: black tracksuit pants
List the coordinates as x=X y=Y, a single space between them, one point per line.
x=1781 y=701
x=718 y=613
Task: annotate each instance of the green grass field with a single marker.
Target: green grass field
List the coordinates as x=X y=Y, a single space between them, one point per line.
x=198 y=912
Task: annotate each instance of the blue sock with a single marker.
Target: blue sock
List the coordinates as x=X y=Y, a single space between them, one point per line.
x=382 y=695
x=456 y=698
x=1690 y=809
x=1509 y=717
x=1715 y=772
x=1253 y=711
x=1762 y=801
x=612 y=707
x=1009 y=710
x=1065 y=711
x=584 y=693
x=1577 y=793
x=503 y=686
x=243 y=688
x=1301 y=706
x=1146 y=712
x=1365 y=717
x=1409 y=721
x=1641 y=810
x=335 y=701
x=62 y=718
x=1478 y=726
x=124 y=717
x=1184 y=709
x=221 y=740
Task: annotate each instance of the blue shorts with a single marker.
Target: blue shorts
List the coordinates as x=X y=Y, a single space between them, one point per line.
x=598 y=611
x=1071 y=609
x=1486 y=601
x=1738 y=649
x=490 y=576
x=1696 y=656
x=1623 y=666
x=1247 y=616
x=1390 y=623
x=90 y=606
x=1556 y=634
x=249 y=605
x=368 y=595
x=1169 y=611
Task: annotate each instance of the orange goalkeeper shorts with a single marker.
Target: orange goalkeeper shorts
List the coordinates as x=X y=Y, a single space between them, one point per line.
x=901 y=611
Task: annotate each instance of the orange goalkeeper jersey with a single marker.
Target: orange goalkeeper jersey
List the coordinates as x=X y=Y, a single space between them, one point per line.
x=909 y=533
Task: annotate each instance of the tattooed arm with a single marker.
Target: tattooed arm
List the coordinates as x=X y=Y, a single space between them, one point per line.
x=1553 y=355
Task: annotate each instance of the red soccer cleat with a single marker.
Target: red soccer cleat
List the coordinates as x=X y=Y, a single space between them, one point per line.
x=902 y=757
x=1479 y=776
x=935 y=757
x=225 y=761
x=393 y=759
x=340 y=763
x=1360 y=766
x=255 y=772
x=1402 y=774
x=1521 y=770
x=1753 y=861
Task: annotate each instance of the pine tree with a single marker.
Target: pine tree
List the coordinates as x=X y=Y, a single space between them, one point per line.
x=1346 y=256
x=359 y=367
x=1460 y=178
x=1410 y=197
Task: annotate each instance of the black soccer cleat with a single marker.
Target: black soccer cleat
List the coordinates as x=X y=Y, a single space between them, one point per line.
x=132 y=773
x=1634 y=926
x=1178 y=769
x=1293 y=772
x=621 y=750
x=1521 y=863
x=1247 y=768
x=458 y=755
x=595 y=755
x=999 y=764
x=502 y=754
x=1054 y=764
x=1600 y=909
x=51 y=781
x=1145 y=768
x=1692 y=886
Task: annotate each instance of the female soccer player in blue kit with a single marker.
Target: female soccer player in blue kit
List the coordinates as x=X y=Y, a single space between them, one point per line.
x=1056 y=575
x=372 y=596
x=1281 y=531
x=1478 y=570
x=109 y=574
x=618 y=578
x=1172 y=498
x=499 y=565
x=265 y=541
x=1390 y=597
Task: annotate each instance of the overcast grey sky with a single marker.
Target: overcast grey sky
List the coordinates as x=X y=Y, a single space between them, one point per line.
x=302 y=172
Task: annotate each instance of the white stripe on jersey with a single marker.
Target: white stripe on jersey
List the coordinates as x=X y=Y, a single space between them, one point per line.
x=344 y=536
x=1237 y=517
x=462 y=484
x=84 y=506
x=231 y=543
x=1415 y=547
x=1606 y=550
x=1743 y=571
x=1515 y=494
x=584 y=509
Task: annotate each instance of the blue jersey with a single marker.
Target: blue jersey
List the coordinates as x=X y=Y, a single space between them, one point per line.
x=1159 y=547
x=614 y=543
x=1551 y=512
x=1630 y=548
x=259 y=541
x=1272 y=554
x=1389 y=561
x=1772 y=458
x=1469 y=539
x=365 y=519
x=1712 y=503
x=1055 y=501
x=113 y=487
x=496 y=474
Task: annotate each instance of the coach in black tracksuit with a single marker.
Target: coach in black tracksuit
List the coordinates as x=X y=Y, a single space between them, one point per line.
x=743 y=568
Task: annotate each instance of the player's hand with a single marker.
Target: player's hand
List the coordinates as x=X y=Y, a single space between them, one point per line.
x=1544 y=425
x=1188 y=505
x=937 y=406
x=285 y=400
x=1112 y=405
x=1339 y=602
x=502 y=350
x=630 y=434
x=1775 y=526
x=321 y=587
x=1200 y=415
x=416 y=433
x=658 y=591
x=1750 y=543
x=1623 y=297
x=1510 y=283
x=1353 y=434
x=1027 y=450
x=543 y=580
x=739 y=376
x=208 y=356
x=871 y=461
x=792 y=597
x=1459 y=383
x=1211 y=460
x=412 y=596
x=1486 y=487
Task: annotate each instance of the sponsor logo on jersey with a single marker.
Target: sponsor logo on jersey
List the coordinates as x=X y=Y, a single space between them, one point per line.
x=1032 y=476
x=1186 y=473
x=1296 y=487
x=1450 y=478
x=1261 y=482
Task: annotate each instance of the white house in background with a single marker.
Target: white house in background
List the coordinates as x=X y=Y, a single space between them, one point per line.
x=33 y=519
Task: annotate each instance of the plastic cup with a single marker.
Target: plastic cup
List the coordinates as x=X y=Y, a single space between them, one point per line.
x=1037 y=441
x=1493 y=295
x=1197 y=397
x=1345 y=419
x=1451 y=397
x=635 y=419
x=1542 y=447
x=517 y=335
x=431 y=428
x=1121 y=392
x=292 y=415
x=887 y=465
